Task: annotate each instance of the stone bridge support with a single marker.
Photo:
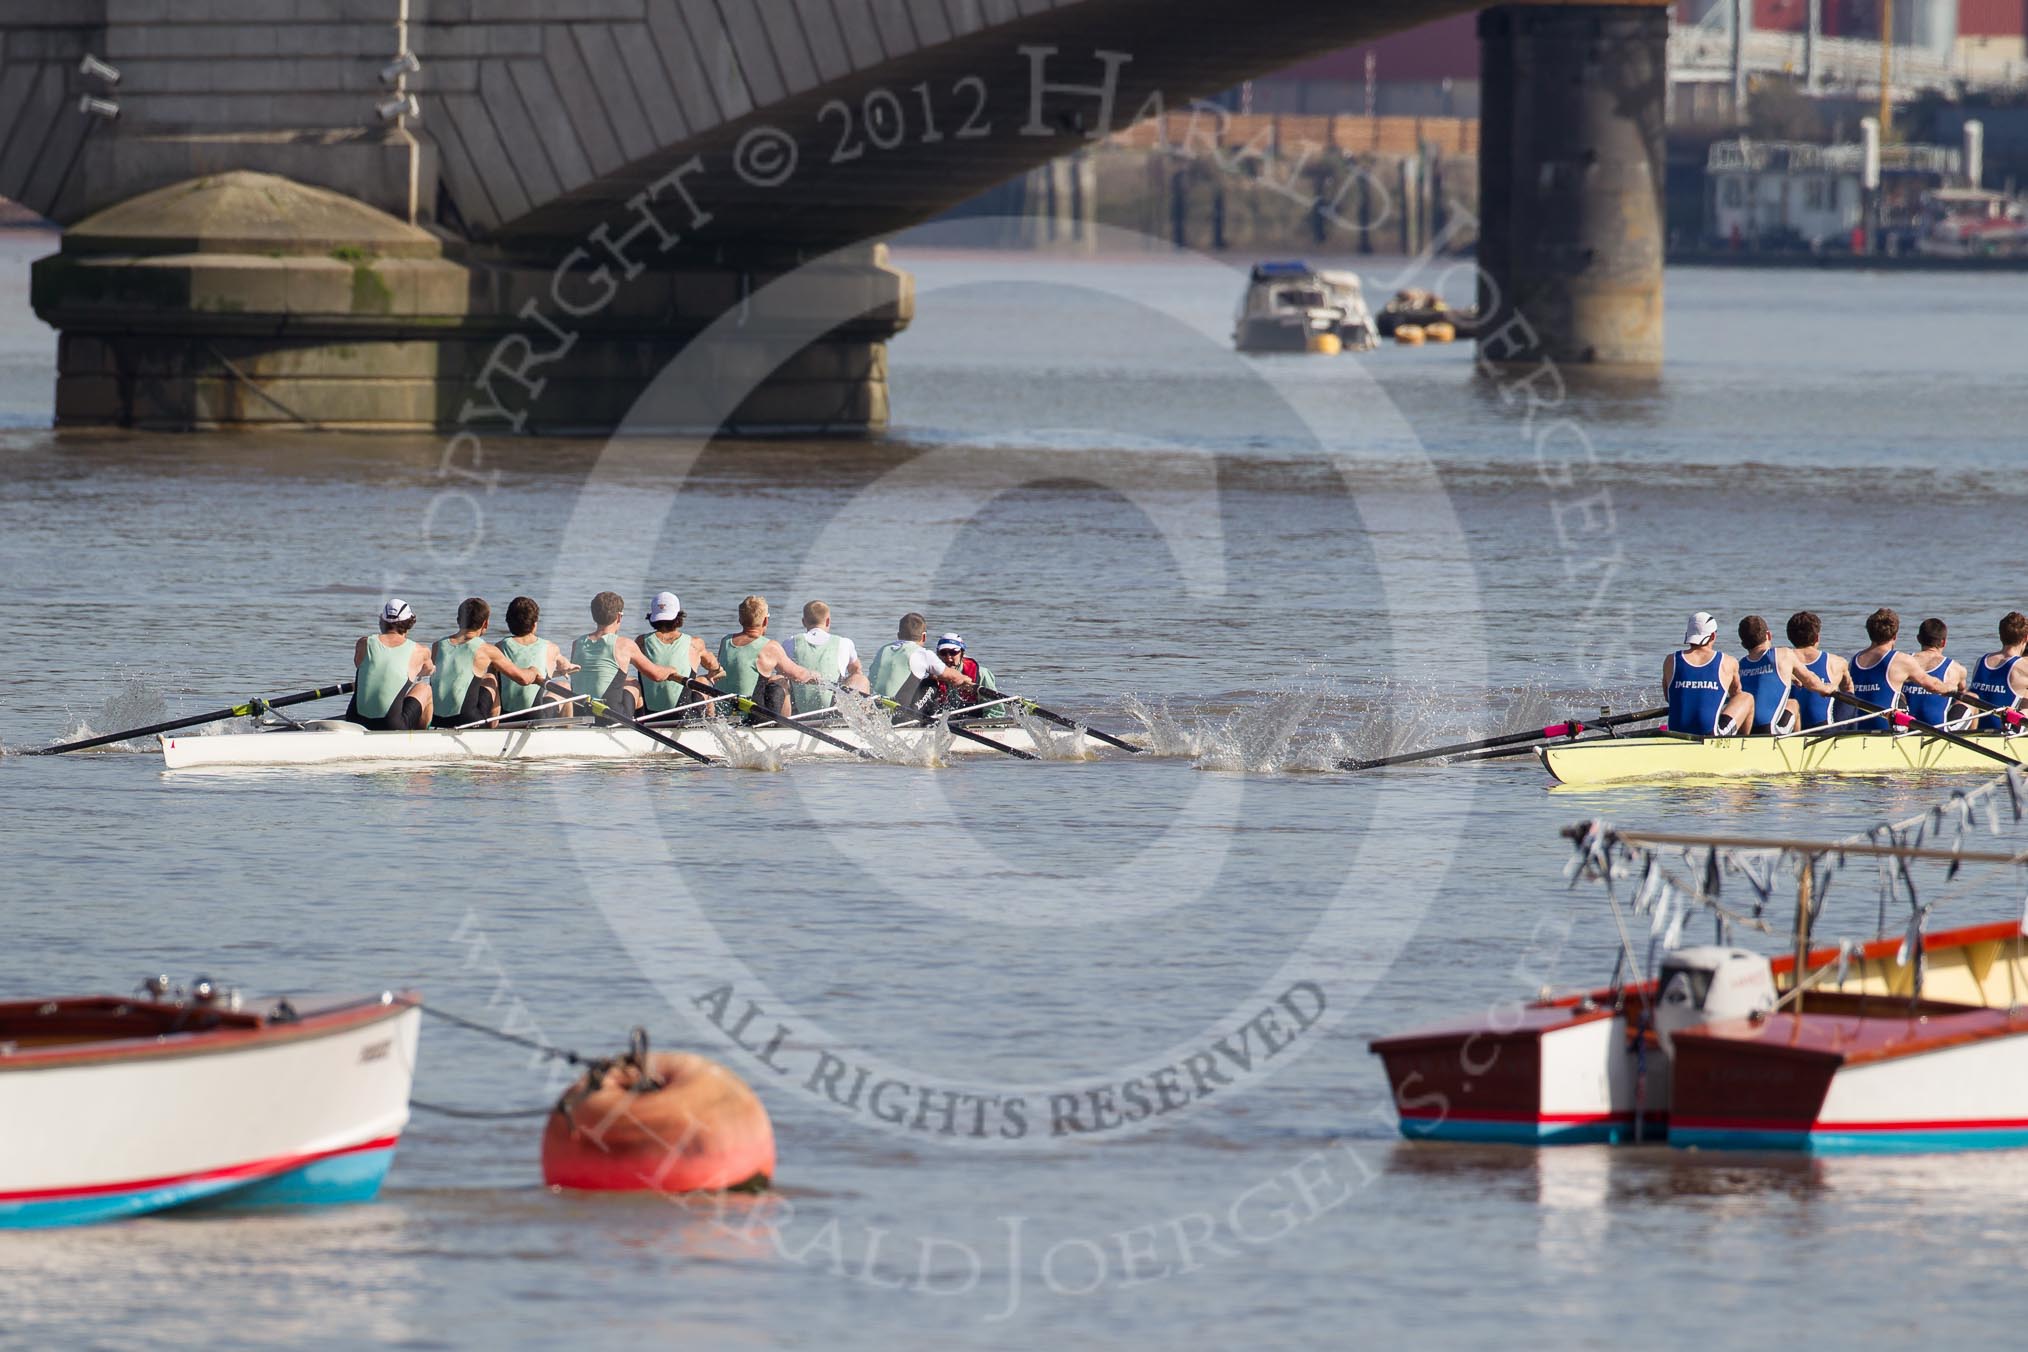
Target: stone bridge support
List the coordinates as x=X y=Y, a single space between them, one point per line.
x=1571 y=165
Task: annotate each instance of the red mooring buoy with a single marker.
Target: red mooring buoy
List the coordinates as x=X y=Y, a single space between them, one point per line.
x=658 y=1122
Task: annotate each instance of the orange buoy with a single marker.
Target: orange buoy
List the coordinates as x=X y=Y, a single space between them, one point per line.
x=1409 y=335
x=666 y=1122
x=1440 y=331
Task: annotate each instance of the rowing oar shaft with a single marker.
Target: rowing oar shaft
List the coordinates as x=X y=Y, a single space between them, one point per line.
x=1048 y=717
x=1900 y=718
x=745 y=705
x=923 y=720
x=599 y=706
x=1571 y=729
x=247 y=710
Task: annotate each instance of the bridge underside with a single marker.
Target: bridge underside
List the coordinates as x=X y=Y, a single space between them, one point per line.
x=694 y=149
x=895 y=144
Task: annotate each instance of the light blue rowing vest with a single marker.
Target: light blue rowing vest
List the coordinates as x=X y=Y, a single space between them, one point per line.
x=1696 y=696
x=1870 y=684
x=1994 y=685
x=1812 y=709
x=1924 y=707
x=1761 y=678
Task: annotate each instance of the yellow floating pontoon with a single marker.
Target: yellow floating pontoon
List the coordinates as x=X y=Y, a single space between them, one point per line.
x=1622 y=760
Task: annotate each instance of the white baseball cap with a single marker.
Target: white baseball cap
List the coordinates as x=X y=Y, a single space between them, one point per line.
x=946 y=642
x=395 y=611
x=1700 y=628
x=664 y=607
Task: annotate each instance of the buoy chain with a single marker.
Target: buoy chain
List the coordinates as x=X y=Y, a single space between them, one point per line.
x=480 y=1114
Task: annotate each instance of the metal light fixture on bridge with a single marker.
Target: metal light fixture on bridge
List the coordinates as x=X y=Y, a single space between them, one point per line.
x=405 y=64
x=394 y=109
x=93 y=106
x=94 y=69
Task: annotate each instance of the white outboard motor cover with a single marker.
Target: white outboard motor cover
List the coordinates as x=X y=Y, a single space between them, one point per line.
x=1708 y=983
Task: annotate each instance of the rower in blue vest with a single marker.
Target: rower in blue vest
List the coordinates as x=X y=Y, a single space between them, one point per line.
x=2001 y=678
x=1924 y=707
x=1879 y=674
x=1829 y=672
x=1774 y=677
x=1702 y=686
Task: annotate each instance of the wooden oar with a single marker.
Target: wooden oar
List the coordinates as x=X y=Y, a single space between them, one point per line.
x=923 y=720
x=599 y=706
x=1901 y=719
x=247 y=710
x=1571 y=729
x=745 y=705
x=1048 y=717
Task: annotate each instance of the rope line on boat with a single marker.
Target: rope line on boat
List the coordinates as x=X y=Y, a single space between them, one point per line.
x=596 y=1069
x=563 y=1054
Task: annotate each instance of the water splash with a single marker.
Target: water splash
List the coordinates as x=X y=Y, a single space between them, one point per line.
x=135 y=704
x=926 y=747
x=1052 y=743
x=740 y=750
x=1257 y=741
x=1166 y=732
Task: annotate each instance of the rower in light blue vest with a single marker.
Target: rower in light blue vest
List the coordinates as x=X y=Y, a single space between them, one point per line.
x=832 y=656
x=1701 y=684
x=1879 y=674
x=2001 y=678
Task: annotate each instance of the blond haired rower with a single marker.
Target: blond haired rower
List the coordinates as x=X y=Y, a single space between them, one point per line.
x=609 y=662
x=832 y=656
x=757 y=667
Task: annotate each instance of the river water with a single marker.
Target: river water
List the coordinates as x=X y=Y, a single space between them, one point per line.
x=1268 y=564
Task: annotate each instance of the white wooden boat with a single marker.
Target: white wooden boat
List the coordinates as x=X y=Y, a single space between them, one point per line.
x=328 y=741
x=114 y=1107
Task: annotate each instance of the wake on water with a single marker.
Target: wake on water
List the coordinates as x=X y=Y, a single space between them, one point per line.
x=1314 y=726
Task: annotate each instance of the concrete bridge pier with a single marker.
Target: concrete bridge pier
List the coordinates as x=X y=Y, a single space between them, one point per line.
x=1571 y=182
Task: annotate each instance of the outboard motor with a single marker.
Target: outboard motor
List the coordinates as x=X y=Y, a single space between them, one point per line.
x=1708 y=983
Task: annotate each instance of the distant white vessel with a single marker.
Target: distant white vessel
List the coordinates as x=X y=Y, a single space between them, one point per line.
x=1293 y=307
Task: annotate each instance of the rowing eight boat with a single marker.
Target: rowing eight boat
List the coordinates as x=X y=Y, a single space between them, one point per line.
x=327 y=741
x=1621 y=760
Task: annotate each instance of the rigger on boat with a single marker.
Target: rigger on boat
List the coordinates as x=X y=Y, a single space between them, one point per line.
x=1909 y=1041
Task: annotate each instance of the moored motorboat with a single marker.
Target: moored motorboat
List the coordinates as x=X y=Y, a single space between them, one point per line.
x=331 y=741
x=1909 y=1043
x=1293 y=307
x=113 y=1107
x=1622 y=760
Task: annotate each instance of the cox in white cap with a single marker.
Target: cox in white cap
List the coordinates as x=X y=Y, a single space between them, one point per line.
x=949 y=643
x=1702 y=628
x=664 y=608
x=395 y=611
